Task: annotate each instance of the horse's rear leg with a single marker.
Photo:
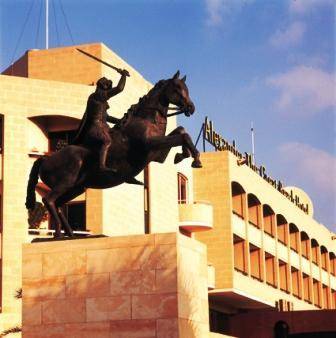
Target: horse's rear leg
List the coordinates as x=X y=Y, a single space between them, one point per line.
x=61 y=200
x=65 y=224
x=49 y=202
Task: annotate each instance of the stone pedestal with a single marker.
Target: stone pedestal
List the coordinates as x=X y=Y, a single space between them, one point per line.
x=116 y=287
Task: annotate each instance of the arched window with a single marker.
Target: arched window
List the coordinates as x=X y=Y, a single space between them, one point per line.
x=238 y=199
x=282 y=226
x=304 y=244
x=269 y=220
x=324 y=257
x=294 y=237
x=182 y=186
x=59 y=129
x=281 y=329
x=253 y=210
x=314 y=251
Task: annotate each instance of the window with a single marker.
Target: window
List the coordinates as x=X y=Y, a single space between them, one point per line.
x=255 y=261
x=1 y=133
x=238 y=199
x=182 y=183
x=239 y=254
x=324 y=258
x=305 y=245
x=282 y=229
x=307 y=294
x=295 y=282
x=326 y=300
x=333 y=299
x=75 y=212
x=270 y=269
x=332 y=258
x=294 y=237
x=281 y=329
x=283 y=276
x=314 y=251
x=59 y=139
x=219 y=322
x=253 y=210
x=316 y=291
x=269 y=220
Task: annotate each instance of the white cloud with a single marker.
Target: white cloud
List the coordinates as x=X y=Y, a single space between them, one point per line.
x=313 y=165
x=288 y=37
x=317 y=60
x=314 y=170
x=303 y=6
x=217 y=9
x=304 y=91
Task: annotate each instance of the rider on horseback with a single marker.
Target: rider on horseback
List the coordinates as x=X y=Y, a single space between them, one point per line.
x=93 y=131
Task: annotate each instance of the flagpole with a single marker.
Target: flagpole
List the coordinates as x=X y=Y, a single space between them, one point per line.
x=252 y=140
x=47 y=24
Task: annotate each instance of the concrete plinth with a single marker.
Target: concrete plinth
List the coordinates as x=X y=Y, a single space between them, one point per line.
x=121 y=287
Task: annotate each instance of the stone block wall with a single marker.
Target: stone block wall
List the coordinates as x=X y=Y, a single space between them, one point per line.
x=121 y=287
x=211 y=185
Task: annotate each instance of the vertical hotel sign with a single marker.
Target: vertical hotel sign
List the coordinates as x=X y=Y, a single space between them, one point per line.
x=220 y=144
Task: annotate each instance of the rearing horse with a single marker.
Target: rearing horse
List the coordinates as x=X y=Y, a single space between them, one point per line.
x=138 y=139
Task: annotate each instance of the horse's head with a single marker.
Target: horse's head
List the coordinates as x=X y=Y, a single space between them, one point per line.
x=176 y=92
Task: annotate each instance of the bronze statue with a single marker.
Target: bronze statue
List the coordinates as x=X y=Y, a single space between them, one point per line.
x=93 y=131
x=138 y=139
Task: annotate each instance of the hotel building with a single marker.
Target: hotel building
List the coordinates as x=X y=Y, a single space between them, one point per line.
x=262 y=254
x=266 y=252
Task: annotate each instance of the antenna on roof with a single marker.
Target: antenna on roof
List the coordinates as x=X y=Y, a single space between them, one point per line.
x=47 y=24
x=252 y=140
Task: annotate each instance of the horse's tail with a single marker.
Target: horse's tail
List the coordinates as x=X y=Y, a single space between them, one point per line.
x=33 y=179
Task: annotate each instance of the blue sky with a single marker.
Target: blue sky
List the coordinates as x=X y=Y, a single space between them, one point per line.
x=267 y=61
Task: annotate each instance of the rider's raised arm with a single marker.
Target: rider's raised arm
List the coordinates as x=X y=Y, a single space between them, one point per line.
x=120 y=86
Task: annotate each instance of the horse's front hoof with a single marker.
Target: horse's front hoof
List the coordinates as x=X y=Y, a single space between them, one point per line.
x=178 y=158
x=196 y=164
x=58 y=235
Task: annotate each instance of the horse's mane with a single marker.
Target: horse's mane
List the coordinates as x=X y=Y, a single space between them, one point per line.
x=134 y=109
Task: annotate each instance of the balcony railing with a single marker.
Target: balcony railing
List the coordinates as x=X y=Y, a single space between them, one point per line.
x=197 y=216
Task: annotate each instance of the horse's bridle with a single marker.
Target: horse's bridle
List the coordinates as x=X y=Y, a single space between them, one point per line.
x=177 y=112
